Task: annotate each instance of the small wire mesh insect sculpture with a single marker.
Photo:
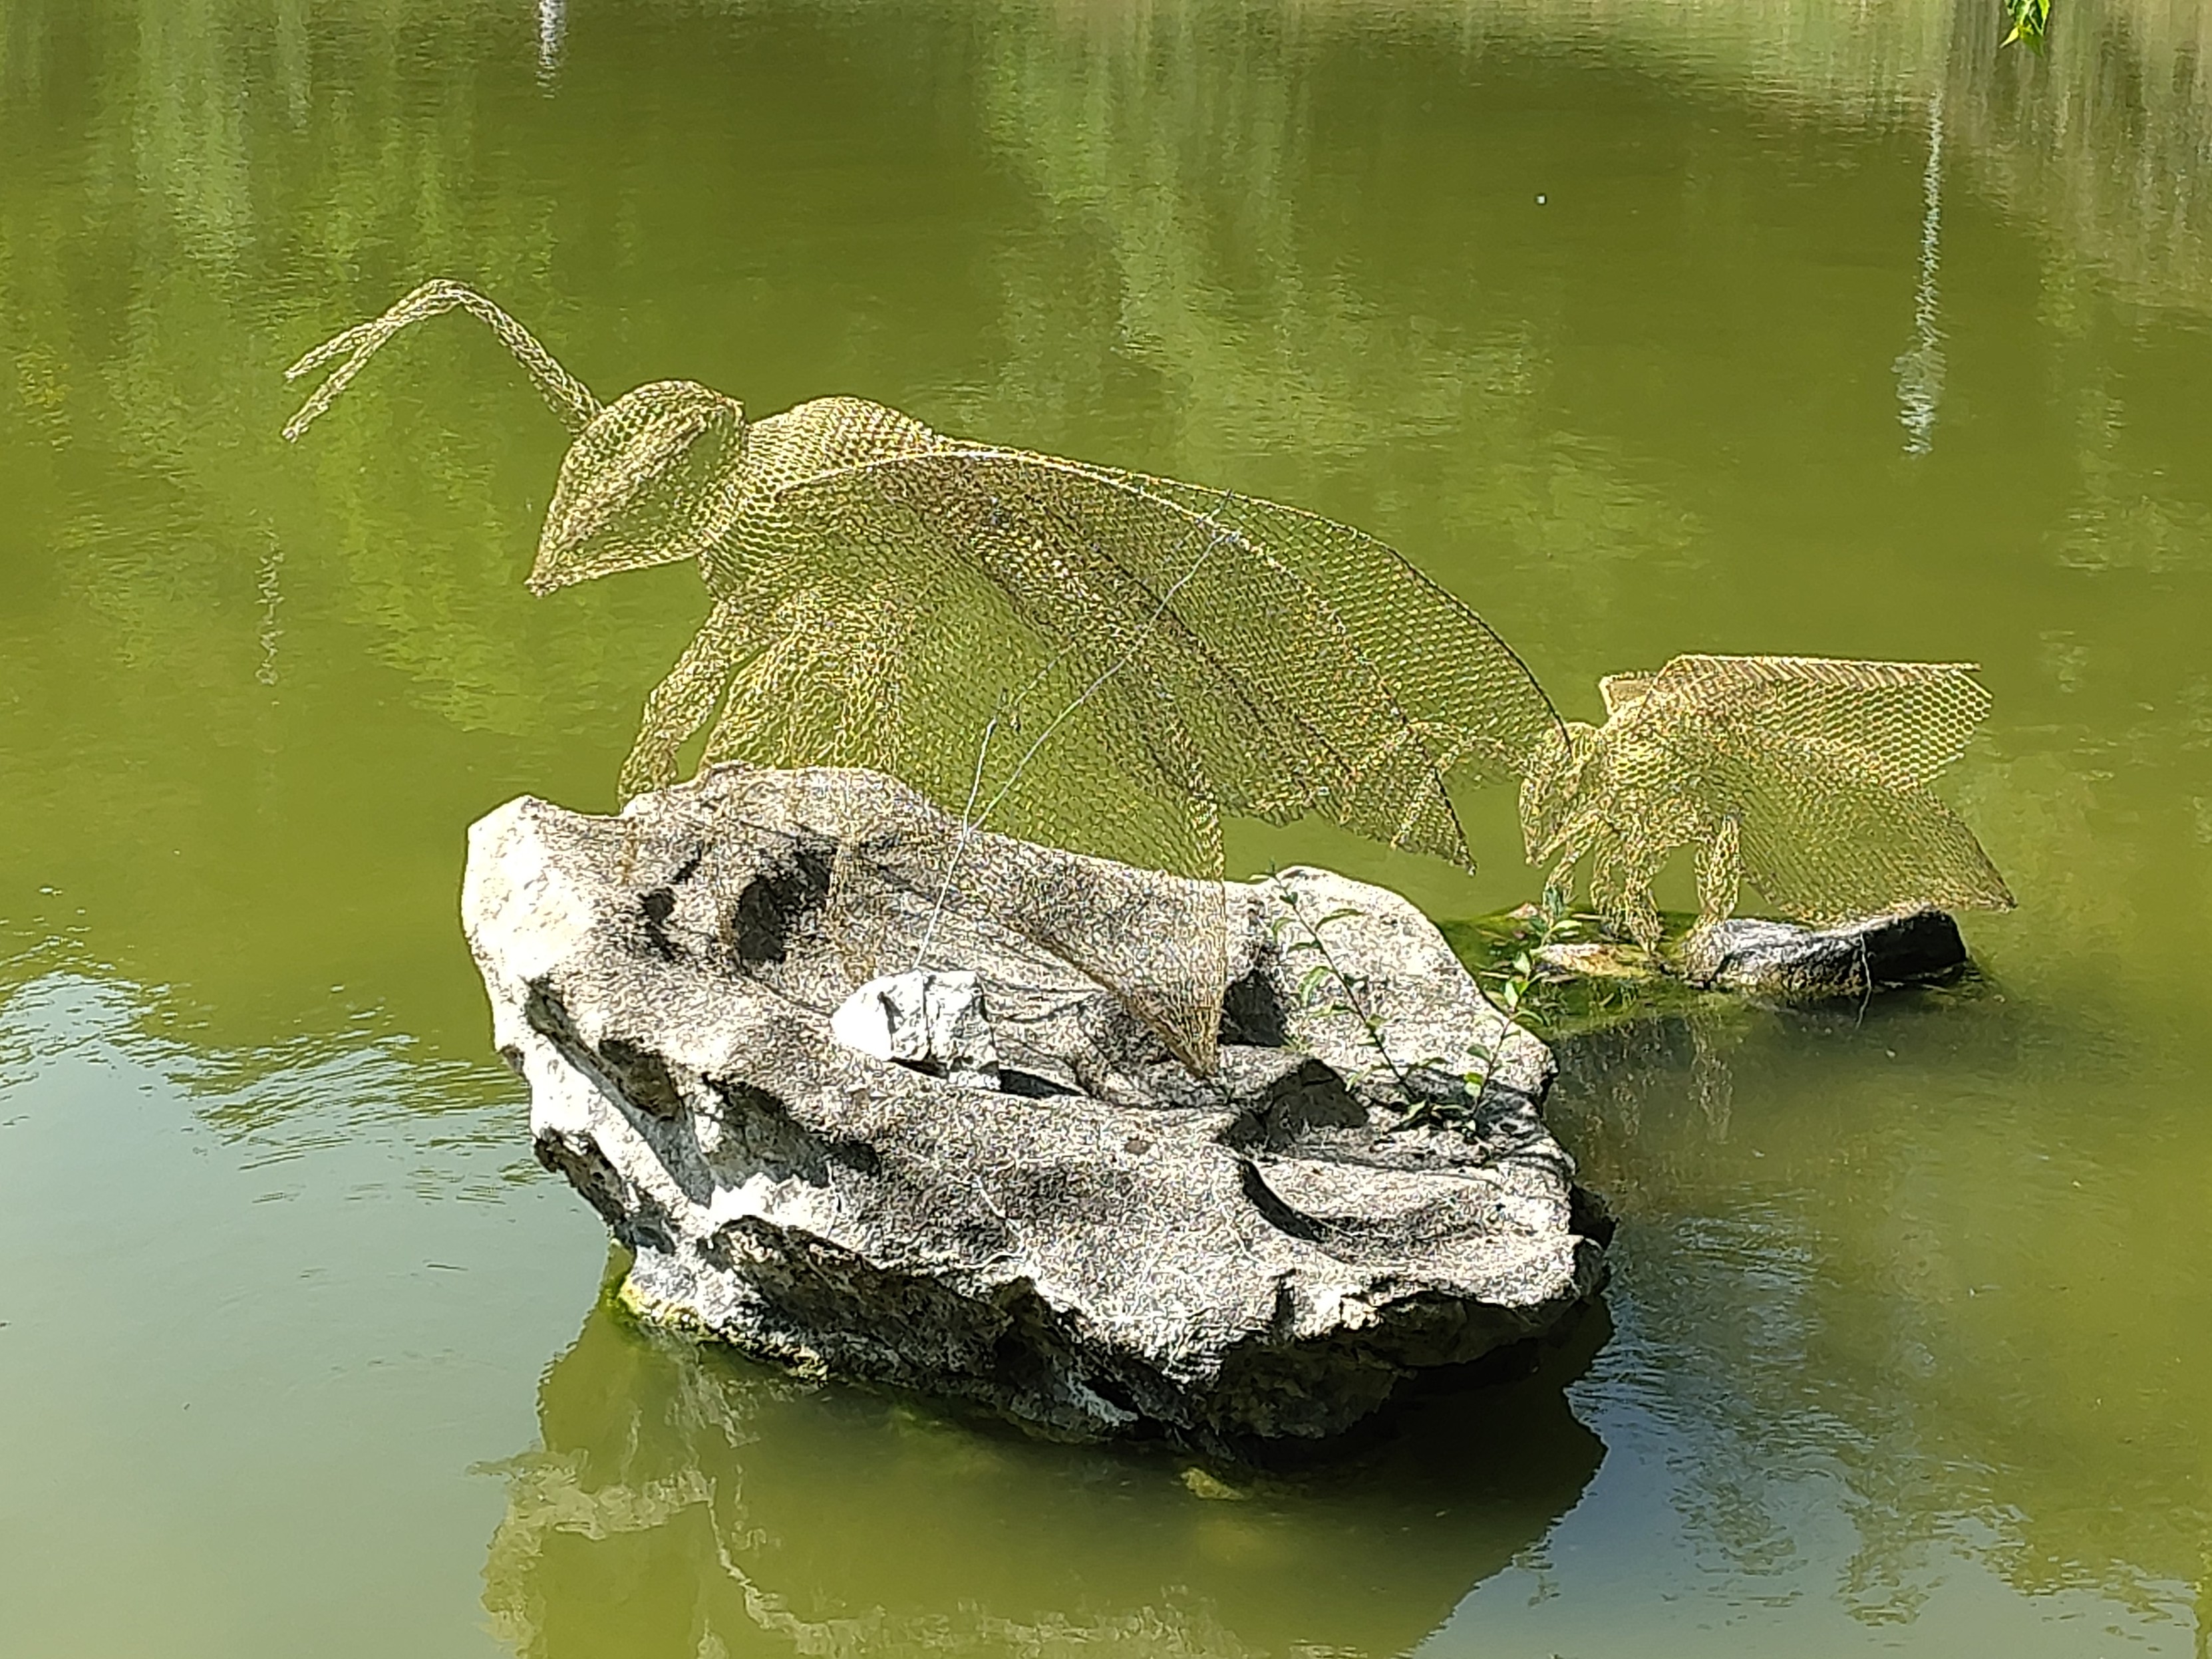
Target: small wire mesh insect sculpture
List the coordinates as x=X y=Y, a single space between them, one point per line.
x=1808 y=777
x=1107 y=662
x=1097 y=660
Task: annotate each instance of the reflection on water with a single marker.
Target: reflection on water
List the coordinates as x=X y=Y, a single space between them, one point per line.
x=1836 y=1296
x=263 y=1312
x=361 y=1080
x=681 y=1503
x=1920 y=370
x=552 y=25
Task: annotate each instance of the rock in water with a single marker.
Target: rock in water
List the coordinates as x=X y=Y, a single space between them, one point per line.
x=1108 y=1246
x=1782 y=961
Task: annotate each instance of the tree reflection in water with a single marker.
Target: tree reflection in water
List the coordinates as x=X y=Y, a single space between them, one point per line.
x=682 y=1501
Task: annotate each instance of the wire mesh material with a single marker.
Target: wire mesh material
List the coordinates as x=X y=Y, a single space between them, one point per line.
x=1806 y=776
x=1107 y=662
x=1095 y=660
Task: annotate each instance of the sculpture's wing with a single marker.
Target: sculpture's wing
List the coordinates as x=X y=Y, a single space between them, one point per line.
x=1622 y=692
x=1822 y=766
x=1905 y=721
x=1234 y=638
x=1453 y=677
x=1827 y=840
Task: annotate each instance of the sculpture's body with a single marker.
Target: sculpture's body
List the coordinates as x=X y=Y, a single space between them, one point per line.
x=1093 y=660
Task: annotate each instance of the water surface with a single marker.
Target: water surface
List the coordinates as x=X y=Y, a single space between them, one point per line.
x=1747 y=326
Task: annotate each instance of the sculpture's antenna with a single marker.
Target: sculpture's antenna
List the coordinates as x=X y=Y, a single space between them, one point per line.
x=567 y=397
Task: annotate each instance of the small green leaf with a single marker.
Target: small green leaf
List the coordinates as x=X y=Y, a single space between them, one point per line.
x=2031 y=19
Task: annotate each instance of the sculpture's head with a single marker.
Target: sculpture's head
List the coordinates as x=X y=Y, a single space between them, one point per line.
x=652 y=479
x=1550 y=784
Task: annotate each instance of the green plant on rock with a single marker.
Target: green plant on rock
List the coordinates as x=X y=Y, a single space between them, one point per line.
x=1323 y=985
x=1547 y=922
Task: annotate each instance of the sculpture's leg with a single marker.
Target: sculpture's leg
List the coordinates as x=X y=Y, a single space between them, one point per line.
x=1559 y=883
x=684 y=700
x=1621 y=891
x=1641 y=914
x=1720 y=874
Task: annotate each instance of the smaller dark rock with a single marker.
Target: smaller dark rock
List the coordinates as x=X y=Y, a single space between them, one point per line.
x=1783 y=962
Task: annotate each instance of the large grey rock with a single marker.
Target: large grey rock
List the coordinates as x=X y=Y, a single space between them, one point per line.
x=1782 y=961
x=1110 y=1245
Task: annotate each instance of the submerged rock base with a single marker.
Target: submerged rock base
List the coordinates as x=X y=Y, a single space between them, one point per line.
x=1106 y=1244
x=1782 y=961
x=1760 y=961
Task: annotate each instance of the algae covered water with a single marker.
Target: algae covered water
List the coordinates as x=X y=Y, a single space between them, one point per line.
x=1770 y=325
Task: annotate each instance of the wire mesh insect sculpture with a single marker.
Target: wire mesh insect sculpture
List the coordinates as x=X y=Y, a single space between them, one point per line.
x=1107 y=662
x=1806 y=776
x=1099 y=660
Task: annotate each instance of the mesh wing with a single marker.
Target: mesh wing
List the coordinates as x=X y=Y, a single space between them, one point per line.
x=1468 y=694
x=1905 y=722
x=1827 y=841
x=1246 y=684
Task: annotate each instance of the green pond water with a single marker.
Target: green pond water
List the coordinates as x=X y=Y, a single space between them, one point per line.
x=1797 y=325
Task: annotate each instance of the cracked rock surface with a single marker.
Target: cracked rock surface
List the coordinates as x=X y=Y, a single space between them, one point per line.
x=1107 y=1245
